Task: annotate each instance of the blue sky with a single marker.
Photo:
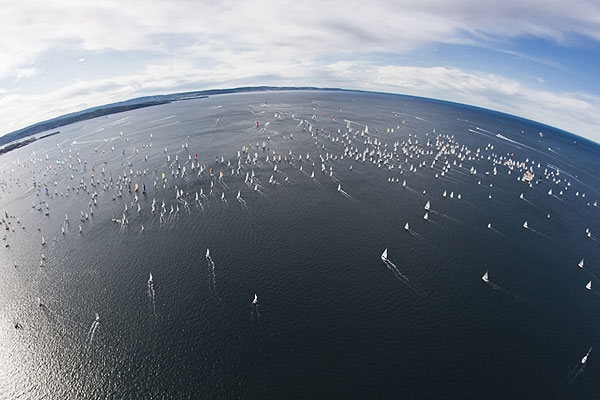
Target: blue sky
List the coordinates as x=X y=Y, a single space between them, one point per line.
x=535 y=59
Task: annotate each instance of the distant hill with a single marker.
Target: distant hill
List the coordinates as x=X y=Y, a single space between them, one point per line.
x=146 y=101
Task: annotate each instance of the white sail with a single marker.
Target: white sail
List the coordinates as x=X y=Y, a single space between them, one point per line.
x=581 y=263
x=426 y=216
x=521 y=196
x=207 y=253
x=427 y=205
x=525 y=225
x=584 y=359
x=550 y=192
x=490 y=225
x=444 y=194
x=406 y=226
x=589 y=285
x=150 y=279
x=384 y=255
x=255 y=299
x=339 y=187
x=485 y=277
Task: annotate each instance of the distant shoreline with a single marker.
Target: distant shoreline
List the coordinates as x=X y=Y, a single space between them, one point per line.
x=149 y=101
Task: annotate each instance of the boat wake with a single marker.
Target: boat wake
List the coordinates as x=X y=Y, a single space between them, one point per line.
x=540 y=233
x=255 y=312
x=498 y=232
x=573 y=374
x=151 y=294
x=211 y=269
x=401 y=277
x=445 y=216
x=93 y=329
x=513 y=295
x=534 y=205
x=344 y=193
x=414 y=233
x=49 y=315
x=243 y=203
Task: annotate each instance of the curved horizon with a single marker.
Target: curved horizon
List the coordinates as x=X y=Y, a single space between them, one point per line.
x=532 y=60
x=253 y=89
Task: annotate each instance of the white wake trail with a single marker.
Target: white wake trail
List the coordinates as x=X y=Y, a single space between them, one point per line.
x=392 y=267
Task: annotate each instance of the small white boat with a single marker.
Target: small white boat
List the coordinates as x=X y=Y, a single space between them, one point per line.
x=384 y=256
x=584 y=359
x=150 y=279
x=339 y=187
x=580 y=263
x=485 y=277
x=255 y=299
x=490 y=225
x=427 y=205
x=426 y=216
x=589 y=285
x=406 y=227
x=207 y=253
x=525 y=225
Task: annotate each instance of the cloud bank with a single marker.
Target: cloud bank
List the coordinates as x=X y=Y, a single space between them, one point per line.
x=164 y=46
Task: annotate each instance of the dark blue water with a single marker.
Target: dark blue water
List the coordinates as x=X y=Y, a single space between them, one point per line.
x=332 y=320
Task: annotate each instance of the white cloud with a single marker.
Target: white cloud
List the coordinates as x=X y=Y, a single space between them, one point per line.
x=201 y=44
x=573 y=111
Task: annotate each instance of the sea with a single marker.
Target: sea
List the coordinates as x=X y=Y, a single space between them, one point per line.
x=294 y=300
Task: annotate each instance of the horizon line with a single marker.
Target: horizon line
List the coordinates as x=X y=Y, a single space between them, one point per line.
x=266 y=88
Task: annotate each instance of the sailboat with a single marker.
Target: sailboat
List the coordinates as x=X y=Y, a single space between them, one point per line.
x=255 y=299
x=490 y=225
x=521 y=196
x=589 y=285
x=580 y=263
x=485 y=277
x=406 y=226
x=550 y=192
x=207 y=253
x=584 y=359
x=427 y=205
x=150 y=280
x=384 y=256
x=444 y=194
x=426 y=216
x=525 y=225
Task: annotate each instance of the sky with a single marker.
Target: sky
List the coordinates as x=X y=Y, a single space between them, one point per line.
x=538 y=59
